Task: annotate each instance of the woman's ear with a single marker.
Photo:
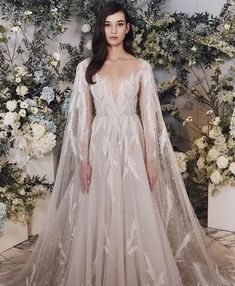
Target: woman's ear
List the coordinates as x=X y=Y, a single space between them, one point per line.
x=127 y=27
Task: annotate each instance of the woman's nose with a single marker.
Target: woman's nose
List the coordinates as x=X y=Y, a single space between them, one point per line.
x=114 y=29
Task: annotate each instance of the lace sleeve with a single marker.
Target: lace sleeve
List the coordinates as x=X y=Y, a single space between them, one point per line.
x=81 y=114
x=148 y=96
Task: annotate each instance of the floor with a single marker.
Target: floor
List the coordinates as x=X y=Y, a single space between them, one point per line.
x=13 y=259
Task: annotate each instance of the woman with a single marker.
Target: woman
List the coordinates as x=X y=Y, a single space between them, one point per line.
x=119 y=213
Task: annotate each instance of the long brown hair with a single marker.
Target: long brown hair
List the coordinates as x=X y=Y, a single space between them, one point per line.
x=99 y=43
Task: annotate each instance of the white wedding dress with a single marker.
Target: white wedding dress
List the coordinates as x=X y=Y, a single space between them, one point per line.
x=121 y=233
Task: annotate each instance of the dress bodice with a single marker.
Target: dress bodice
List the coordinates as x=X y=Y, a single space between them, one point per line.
x=122 y=100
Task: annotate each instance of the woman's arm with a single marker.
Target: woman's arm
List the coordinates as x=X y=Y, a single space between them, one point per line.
x=148 y=95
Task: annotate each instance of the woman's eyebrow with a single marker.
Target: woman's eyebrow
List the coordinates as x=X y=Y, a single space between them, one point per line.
x=117 y=21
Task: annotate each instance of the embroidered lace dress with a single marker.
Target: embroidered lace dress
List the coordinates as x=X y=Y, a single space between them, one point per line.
x=121 y=233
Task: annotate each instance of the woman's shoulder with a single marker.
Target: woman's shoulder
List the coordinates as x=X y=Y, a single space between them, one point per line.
x=84 y=63
x=144 y=61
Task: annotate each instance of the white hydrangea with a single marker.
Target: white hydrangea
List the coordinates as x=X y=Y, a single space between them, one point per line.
x=44 y=144
x=11 y=105
x=38 y=129
x=232 y=168
x=222 y=162
x=86 y=28
x=12 y=119
x=216 y=177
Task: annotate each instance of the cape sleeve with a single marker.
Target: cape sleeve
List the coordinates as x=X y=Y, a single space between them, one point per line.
x=147 y=97
x=81 y=114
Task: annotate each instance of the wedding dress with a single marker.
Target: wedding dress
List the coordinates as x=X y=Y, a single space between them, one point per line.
x=121 y=233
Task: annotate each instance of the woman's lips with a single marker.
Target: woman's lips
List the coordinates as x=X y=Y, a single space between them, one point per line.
x=113 y=38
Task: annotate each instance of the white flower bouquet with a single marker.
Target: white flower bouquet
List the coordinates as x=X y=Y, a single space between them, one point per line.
x=19 y=192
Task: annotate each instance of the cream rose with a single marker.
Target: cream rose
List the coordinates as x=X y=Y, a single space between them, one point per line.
x=222 y=162
x=216 y=177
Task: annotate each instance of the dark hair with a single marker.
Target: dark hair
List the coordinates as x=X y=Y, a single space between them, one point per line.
x=99 y=43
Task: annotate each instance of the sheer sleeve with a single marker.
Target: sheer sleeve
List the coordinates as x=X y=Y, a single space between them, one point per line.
x=147 y=97
x=81 y=114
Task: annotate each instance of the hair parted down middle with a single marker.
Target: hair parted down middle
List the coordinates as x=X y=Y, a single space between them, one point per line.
x=99 y=43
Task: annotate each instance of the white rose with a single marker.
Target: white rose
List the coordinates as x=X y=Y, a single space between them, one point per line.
x=22 y=90
x=200 y=142
x=180 y=158
x=27 y=13
x=21 y=191
x=209 y=112
x=24 y=104
x=38 y=129
x=15 y=29
x=227 y=26
x=215 y=132
x=20 y=70
x=193 y=49
x=216 y=177
x=89 y=45
x=34 y=110
x=232 y=168
x=201 y=163
x=11 y=105
x=22 y=112
x=213 y=154
x=211 y=187
x=56 y=56
x=216 y=121
x=205 y=129
x=18 y=79
x=86 y=28
x=54 y=63
x=222 y=162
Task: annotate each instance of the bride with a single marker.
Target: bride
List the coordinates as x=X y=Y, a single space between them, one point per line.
x=119 y=214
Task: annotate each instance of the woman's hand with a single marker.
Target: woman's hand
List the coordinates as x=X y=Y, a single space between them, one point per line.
x=152 y=173
x=85 y=176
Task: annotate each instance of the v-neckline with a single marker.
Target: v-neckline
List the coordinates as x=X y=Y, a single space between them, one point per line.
x=122 y=80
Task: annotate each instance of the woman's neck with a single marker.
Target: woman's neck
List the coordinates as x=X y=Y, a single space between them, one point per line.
x=116 y=53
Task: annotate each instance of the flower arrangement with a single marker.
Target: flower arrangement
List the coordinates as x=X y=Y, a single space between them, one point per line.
x=32 y=108
x=19 y=192
x=213 y=152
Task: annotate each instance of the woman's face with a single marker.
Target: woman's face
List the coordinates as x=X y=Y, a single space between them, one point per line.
x=115 y=28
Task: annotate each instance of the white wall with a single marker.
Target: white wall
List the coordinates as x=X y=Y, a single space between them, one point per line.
x=192 y=6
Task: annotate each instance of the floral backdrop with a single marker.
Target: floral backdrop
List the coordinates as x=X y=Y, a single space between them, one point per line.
x=35 y=87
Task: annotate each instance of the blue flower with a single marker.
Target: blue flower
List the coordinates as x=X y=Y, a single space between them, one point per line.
x=2 y=216
x=31 y=102
x=38 y=76
x=65 y=105
x=51 y=127
x=47 y=94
